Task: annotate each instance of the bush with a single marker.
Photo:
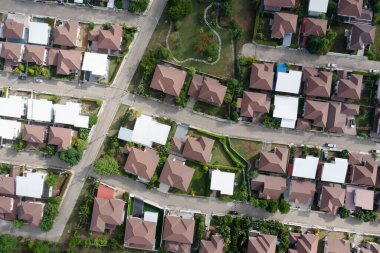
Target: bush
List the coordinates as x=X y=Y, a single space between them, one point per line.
x=179 y=9
x=9 y=244
x=50 y=213
x=107 y=26
x=321 y=45
x=17 y=223
x=107 y=165
x=138 y=6
x=72 y=156
x=19 y=145
x=50 y=150
x=126 y=196
x=283 y=206
x=52 y=180
x=272 y=206
x=83 y=133
x=366 y=216
x=91 y=26
x=344 y=213
x=93 y=120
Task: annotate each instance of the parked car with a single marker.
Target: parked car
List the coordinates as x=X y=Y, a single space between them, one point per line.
x=352 y=123
x=22 y=77
x=330 y=145
x=375 y=151
x=233 y=212
x=373 y=71
x=38 y=80
x=331 y=65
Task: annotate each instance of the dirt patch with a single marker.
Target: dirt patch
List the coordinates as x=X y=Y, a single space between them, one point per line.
x=83 y=36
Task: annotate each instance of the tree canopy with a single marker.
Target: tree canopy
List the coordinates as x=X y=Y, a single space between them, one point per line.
x=107 y=165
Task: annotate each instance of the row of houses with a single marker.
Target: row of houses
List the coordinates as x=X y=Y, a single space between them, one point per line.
x=347 y=183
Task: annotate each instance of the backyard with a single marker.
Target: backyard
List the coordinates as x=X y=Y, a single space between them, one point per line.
x=340 y=42
x=249 y=150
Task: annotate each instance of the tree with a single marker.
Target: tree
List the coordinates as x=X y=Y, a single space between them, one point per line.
x=91 y=26
x=19 y=145
x=107 y=26
x=228 y=97
x=83 y=133
x=272 y=206
x=93 y=119
x=235 y=116
x=72 y=156
x=138 y=6
x=366 y=216
x=179 y=9
x=49 y=150
x=50 y=212
x=107 y=165
x=321 y=45
x=344 y=213
x=344 y=154
x=126 y=196
x=81 y=145
x=8 y=243
x=52 y=180
x=283 y=206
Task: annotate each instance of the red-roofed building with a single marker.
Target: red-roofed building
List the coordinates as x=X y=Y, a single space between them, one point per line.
x=105 y=191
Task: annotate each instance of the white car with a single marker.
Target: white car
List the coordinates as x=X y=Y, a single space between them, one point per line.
x=373 y=71
x=375 y=151
x=330 y=145
x=331 y=65
x=38 y=80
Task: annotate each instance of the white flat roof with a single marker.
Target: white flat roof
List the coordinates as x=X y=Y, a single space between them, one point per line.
x=305 y=167
x=69 y=114
x=9 y=129
x=96 y=63
x=125 y=134
x=150 y=216
x=13 y=107
x=286 y=108
x=31 y=185
x=289 y=82
x=39 y=33
x=147 y=131
x=318 y=5
x=335 y=172
x=40 y=110
x=223 y=182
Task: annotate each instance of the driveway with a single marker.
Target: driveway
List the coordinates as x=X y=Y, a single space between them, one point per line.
x=304 y=58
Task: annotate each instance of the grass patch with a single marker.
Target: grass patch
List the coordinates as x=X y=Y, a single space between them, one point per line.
x=117 y=121
x=114 y=65
x=219 y=155
x=91 y=106
x=220 y=112
x=247 y=149
x=340 y=42
x=244 y=16
x=364 y=121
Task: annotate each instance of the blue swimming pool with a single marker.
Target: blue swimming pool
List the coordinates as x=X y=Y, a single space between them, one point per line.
x=281 y=67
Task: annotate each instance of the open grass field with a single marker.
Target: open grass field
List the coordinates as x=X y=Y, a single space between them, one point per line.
x=247 y=149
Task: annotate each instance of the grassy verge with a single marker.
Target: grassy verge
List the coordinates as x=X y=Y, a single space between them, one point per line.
x=220 y=112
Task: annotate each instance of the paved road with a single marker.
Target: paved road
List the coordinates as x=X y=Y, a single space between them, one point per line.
x=72 y=13
x=304 y=58
x=215 y=206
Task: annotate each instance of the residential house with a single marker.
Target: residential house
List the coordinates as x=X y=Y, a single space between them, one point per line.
x=107 y=214
x=262 y=76
x=105 y=191
x=254 y=104
x=95 y=67
x=67 y=34
x=140 y=233
x=286 y=109
x=198 y=149
x=178 y=234
x=364 y=169
x=7 y=186
x=278 y=5
x=39 y=33
x=8 y=208
x=106 y=40
x=35 y=54
x=176 y=174
x=317 y=7
x=284 y=25
x=301 y=193
x=34 y=136
x=305 y=167
x=17 y=103
x=304 y=243
x=141 y=163
x=317 y=84
x=40 y=110
x=274 y=162
x=358 y=198
x=353 y=11
x=332 y=198
x=339 y=116
x=316 y=112
x=360 y=36
x=70 y=114
x=31 y=184
x=169 y=80
x=60 y=137
x=370 y=247
x=13 y=31
x=261 y=243
x=333 y=245
x=214 y=245
x=9 y=129
x=223 y=182
x=269 y=187
x=11 y=53
x=67 y=61
x=207 y=89
x=313 y=27
x=335 y=171
x=288 y=81
x=31 y=212
x=351 y=87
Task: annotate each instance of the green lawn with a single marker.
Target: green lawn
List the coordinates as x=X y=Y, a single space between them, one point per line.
x=244 y=13
x=247 y=149
x=116 y=123
x=114 y=65
x=364 y=121
x=220 y=112
x=340 y=42
x=220 y=156
x=375 y=47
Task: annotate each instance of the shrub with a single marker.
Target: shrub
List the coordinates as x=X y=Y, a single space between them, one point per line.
x=107 y=165
x=50 y=150
x=138 y=6
x=107 y=26
x=83 y=133
x=91 y=26
x=179 y=9
x=366 y=216
x=93 y=120
x=126 y=196
x=9 y=244
x=272 y=206
x=72 y=156
x=52 y=180
x=344 y=213
x=50 y=213
x=17 y=223
x=283 y=206
x=321 y=45
x=19 y=145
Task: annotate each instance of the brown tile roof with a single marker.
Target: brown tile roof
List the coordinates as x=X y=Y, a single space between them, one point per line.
x=66 y=34
x=269 y=187
x=308 y=72
x=108 y=39
x=317 y=112
x=177 y=145
x=254 y=102
x=262 y=76
x=169 y=80
x=350 y=88
x=317 y=84
x=13 y=30
x=303 y=124
x=67 y=61
x=7 y=185
x=283 y=23
x=11 y=51
x=336 y=121
x=314 y=26
x=178 y=230
x=140 y=234
x=262 y=244
x=373 y=248
x=364 y=172
x=350 y=109
x=35 y=54
x=34 y=134
x=214 y=245
x=177 y=247
x=176 y=174
x=351 y=8
x=106 y=214
x=61 y=137
x=280 y=3
x=332 y=198
x=198 y=149
x=361 y=36
x=334 y=245
x=31 y=212
x=275 y=161
x=8 y=208
x=355 y=158
x=301 y=192
x=207 y=89
x=142 y=163
x=306 y=243
x=357 y=197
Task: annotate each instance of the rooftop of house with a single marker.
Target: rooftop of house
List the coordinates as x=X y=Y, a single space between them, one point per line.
x=60 y=137
x=198 y=149
x=318 y=84
x=332 y=198
x=176 y=174
x=214 y=245
x=334 y=245
x=304 y=243
x=351 y=87
x=361 y=36
x=314 y=26
x=169 y=80
x=317 y=112
x=274 y=162
x=66 y=34
x=262 y=76
x=283 y=23
x=142 y=163
x=351 y=8
x=262 y=244
x=254 y=102
x=269 y=187
x=106 y=214
x=31 y=212
x=178 y=229
x=140 y=234
x=301 y=192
